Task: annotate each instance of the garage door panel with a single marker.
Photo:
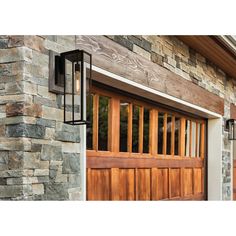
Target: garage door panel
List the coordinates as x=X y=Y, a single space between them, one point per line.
x=127 y=184
x=98 y=184
x=137 y=150
x=198 y=181
x=160 y=184
x=188 y=181
x=174 y=177
x=143 y=183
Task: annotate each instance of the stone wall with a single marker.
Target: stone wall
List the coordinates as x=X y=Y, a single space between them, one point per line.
x=39 y=154
x=174 y=55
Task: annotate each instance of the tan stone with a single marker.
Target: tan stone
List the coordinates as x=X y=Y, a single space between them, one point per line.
x=52 y=113
x=38 y=189
x=41 y=172
x=43 y=92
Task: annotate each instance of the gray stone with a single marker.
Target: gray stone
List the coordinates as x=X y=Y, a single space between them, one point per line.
x=11 y=191
x=71 y=163
x=46 y=122
x=67 y=137
x=56 y=191
x=43 y=179
x=45 y=101
x=14 y=181
x=26 y=130
x=36 y=147
x=141 y=42
x=11 y=173
x=31 y=160
x=50 y=152
x=52 y=173
x=124 y=42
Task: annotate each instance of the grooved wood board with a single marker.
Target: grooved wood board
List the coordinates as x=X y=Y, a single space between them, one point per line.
x=114 y=58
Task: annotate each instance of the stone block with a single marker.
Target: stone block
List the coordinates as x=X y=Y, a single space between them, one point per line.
x=71 y=163
x=44 y=92
x=43 y=179
x=74 y=193
x=11 y=173
x=67 y=137
x=38 y=189
x=50 y=133
x=28 y=173
x=30 y=180
x=124 y=42
x=15 y=181
x=44 y=165
x=14 y=144
x=45 y=102
x=14 y=88
x=41 y=172
x=2 y=130
x=26 y=130
x=15 y=160
x=141 y=42
x=50 y=152
x=46 y=122
x=11 y=191
x=52 y=113
x=70 y=147
x=56 y=191
x=31 y=160
x=21 y=108
x=35 y=43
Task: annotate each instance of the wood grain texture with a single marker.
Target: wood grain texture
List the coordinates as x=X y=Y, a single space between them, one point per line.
x=114 y=58
x=232 y=111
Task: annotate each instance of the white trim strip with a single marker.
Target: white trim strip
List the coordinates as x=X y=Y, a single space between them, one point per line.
x=166 y=96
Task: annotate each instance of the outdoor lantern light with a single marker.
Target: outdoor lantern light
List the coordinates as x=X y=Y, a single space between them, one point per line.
x=72 y=77
x=231 y=128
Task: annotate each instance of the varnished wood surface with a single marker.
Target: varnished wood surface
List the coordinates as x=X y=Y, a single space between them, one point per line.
x=114 y=58
x=115 y=175
x=124 y=162
x=234 y=180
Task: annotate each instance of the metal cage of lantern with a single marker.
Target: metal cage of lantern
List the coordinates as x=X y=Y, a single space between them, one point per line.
x=77 y=59
x=231 y=128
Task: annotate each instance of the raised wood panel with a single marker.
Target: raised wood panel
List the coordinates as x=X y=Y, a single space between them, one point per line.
x=143 y=184
x=174 y=181
x=127 y=184
x=112 y=57
x=188 y=181
x=160 y=184
x=98 y=185
x=198 y=180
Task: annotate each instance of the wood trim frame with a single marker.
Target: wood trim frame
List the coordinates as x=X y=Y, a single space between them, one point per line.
x=105 y=54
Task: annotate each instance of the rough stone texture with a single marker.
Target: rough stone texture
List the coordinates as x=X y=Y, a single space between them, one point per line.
x=32 y=137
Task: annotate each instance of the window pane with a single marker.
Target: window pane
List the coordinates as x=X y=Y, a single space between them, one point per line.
x=198 y=139
x=193 y=144
x=89 y=126
x=135 y=129
x=146 y=131
x=124 y=106
x=160 y=132
x=187 y=138
x=103 y=123
x=177 y=135
x=168 y=143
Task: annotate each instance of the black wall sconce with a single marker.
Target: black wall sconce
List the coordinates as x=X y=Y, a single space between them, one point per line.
x=70 y=75
x=230 y=126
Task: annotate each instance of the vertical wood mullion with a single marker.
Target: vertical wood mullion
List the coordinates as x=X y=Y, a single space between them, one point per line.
x=153 y=132
x=165 y=134
x=157 y=131
x=114 y=125
x=95 y=122
x=173 y=135
x=141 y=111
x=182 y=136
x=130 y=124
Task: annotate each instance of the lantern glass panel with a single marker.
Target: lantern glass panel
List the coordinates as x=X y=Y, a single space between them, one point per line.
x=234 y=130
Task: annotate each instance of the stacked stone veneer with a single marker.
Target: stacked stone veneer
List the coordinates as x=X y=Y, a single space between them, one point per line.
x=174 y=55
x=39 y=154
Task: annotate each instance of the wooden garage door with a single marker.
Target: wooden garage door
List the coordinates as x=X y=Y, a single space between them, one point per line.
x=138 y=151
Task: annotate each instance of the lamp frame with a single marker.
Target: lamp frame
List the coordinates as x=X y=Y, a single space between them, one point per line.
x=232 y=136
x=58 y=77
